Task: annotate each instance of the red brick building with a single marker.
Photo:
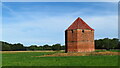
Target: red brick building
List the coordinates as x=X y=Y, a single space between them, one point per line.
x=79 y=37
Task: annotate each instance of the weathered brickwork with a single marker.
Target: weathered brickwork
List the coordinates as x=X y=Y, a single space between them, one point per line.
x=79 y=39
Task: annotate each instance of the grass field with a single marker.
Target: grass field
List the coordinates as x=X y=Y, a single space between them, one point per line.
x=27 y=59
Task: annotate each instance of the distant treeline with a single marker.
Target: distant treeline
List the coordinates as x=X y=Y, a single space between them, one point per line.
x=105 y=43
x=20 y=47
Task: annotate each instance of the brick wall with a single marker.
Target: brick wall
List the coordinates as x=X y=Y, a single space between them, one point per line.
x=79 y=40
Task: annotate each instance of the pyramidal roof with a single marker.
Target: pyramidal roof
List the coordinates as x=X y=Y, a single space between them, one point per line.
x=79 y=24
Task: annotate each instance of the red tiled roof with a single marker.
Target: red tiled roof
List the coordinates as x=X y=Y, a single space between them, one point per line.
x=79 y=24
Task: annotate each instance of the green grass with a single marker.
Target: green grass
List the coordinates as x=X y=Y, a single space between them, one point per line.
x=26 y=59
x=102 y=50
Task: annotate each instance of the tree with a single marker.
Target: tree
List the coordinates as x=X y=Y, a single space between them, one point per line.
x=33 y=47
x=62 y=47
x=118 y=45
x=5 y=46
x=115 y=43
x=107 y=43
x=47 y=47
x=99 y=44
x=40 y=47
x=17 y=47
x=56 y=47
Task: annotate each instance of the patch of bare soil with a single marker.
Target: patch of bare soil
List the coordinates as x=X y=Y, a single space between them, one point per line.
x=81 y=54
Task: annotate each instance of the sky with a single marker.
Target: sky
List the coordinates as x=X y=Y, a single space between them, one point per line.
x=39 y=23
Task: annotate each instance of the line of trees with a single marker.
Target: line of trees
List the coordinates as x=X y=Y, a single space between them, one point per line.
x=55 y=47
x=20 y=47
x=105 y=43
x=12 y=47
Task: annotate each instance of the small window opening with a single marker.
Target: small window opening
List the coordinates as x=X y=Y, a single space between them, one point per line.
x=83 y=31
x=72 y=31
